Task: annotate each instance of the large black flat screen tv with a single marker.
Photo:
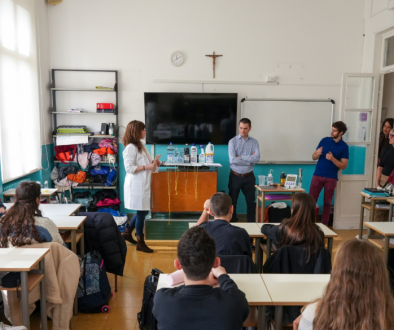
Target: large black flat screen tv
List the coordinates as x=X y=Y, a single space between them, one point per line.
x=190 y=117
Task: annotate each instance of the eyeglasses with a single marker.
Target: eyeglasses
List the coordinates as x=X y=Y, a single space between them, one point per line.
x=391 y=135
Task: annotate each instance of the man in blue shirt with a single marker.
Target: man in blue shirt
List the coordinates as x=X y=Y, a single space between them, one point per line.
x=332 y=154
x=244 y=153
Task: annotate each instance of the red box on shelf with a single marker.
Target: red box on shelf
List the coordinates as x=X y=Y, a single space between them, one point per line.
x=105 y=105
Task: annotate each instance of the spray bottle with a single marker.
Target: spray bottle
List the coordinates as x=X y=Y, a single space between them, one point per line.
x=270 y=179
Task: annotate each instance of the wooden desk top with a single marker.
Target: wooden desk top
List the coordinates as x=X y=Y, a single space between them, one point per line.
x=374 y=198
x=251 y=284
x=295 y=289
x=20 y=259
x=390 y=200
x=280 y=189
x=54 y=209
x=65 y=222
x=252 y=229
x=327 y=231
x=44 y=192
x=384 y=228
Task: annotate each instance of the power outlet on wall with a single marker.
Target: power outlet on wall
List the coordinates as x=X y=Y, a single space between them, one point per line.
x=271 y=79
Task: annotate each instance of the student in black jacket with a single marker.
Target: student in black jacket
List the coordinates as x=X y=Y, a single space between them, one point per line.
x=197 y=305
x=229 y=239
x=300 y=229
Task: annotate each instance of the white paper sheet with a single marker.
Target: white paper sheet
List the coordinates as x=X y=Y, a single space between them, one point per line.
x=71 y=139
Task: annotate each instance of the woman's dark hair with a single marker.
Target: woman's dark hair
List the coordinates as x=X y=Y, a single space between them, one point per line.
x=133 y=134
x=301 y=229
x=196 y=253
x=18 y=224
x=340 y=126
x=390 y=121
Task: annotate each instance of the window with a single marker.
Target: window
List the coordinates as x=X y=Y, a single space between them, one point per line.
x=20 y=143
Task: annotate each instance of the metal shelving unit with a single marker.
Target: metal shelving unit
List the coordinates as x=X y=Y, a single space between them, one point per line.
x=56 y=113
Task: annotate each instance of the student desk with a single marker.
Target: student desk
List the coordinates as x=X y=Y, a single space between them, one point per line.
x=261 y=197
x=49 y=210
x=293 y=290
x=48 y=193
x=369 y=206
x=391 y=201
x=24 y=261
x=328 y=233
x=75 y=225
x=251 y=284
x=254 y=232
x=387 y=230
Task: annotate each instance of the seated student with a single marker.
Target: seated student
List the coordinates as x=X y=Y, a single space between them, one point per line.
x=300 y=229
x=23 y=223
x=229 y=239
x=358 y=295
x=197 y=305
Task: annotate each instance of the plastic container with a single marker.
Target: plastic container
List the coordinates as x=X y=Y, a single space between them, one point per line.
x=282 y=179
x=170 y=153
x=176 y=157
x=209 y=153
x=262 y=180
x=201 y=156
x=46 y=186
x=193 y=154
x=270 y=179
x=182 y=156
x=187 y=154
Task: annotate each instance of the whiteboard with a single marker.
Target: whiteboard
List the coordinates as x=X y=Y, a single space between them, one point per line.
x=288 y=131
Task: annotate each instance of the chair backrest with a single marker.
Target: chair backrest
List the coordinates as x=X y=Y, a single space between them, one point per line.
x=237 y=264
x=293 y=260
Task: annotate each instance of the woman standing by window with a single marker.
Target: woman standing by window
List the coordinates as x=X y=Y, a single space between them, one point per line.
x=137 y=187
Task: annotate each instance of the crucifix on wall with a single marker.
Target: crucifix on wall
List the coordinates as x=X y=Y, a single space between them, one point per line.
x=214 y=61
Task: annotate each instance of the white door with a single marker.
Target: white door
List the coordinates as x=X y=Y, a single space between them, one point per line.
x=358 y=110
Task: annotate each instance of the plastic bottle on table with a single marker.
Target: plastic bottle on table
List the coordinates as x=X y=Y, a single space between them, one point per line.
x=209 y=153
x=182 y=156
x=187 y=154
x=176 y=157
x=193 y=154
x=201 y=156
x=170 y=153
x=46 y=186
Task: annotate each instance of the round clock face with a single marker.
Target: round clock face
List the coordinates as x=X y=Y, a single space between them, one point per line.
x=177 y=58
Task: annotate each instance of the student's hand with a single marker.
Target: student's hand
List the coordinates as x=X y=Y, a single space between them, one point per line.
x=319 y=151
x=329 y=156
x=296 y=322
x=151 y=167
x=157 y=162
x=213 y=281
x=2 y=210
x=207 y=205
x=218 y=271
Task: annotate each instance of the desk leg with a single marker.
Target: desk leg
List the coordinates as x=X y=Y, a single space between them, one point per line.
x=372 y=213
x=261 y=319
x=43 y=298
x=257 y=205
x=74 y=241
x=369 y=232
x=278 y=317
x=268 y=247
x=360 y=234
x=48 y=200
x=25 y=300
x=262 y=206
x=258 y=255
x=82 y=241
x=386 y=249
x=391 y=212
x=330 y=244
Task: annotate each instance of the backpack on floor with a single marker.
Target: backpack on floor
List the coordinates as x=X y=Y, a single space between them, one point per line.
x=146 y=320
x=94 y=290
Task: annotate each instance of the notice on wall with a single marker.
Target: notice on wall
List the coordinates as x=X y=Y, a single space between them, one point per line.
x=71 y=139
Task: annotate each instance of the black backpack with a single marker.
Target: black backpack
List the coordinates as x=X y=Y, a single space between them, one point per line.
x=146 y=320
x=277 y=215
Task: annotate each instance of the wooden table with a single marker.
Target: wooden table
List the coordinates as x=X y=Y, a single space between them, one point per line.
x=254 y=232
x=369 y=206
x=24 y=260
x=278 y=190
x=44 y=193
x=49 y=210
x=251 y=284
x=75 y=225
x=328 y=233
x=391 y=201
x=293 y=290
x=387 y=230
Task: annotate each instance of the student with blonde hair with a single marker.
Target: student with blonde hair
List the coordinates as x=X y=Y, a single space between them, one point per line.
x=358 y=295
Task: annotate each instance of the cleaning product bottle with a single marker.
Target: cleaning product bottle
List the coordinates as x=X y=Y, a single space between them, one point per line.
x=270 y=179
x=209 y=153
x=187 y=154
x=182 y=156
x=176 y=157
x=201 y=157
x=282 y=179
x=170 y=153
x=193 y=154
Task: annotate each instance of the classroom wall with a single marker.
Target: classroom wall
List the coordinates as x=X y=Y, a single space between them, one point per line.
x=388 y=95
x=306 y=45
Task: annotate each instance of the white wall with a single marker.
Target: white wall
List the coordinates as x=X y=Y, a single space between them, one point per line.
x=388 y=95
x=306 y=44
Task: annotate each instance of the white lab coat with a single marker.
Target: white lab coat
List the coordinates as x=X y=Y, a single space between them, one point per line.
x=137 y=186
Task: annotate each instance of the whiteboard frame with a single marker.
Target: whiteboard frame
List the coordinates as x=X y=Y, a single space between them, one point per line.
x=291 y=100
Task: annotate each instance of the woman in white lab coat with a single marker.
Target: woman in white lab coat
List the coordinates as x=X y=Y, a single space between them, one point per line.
x=137 y=187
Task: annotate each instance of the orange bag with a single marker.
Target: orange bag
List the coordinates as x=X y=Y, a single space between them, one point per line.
x=103 y=151
x=78 y=177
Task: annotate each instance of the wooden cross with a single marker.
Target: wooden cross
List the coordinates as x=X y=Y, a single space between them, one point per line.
x=214 y=61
